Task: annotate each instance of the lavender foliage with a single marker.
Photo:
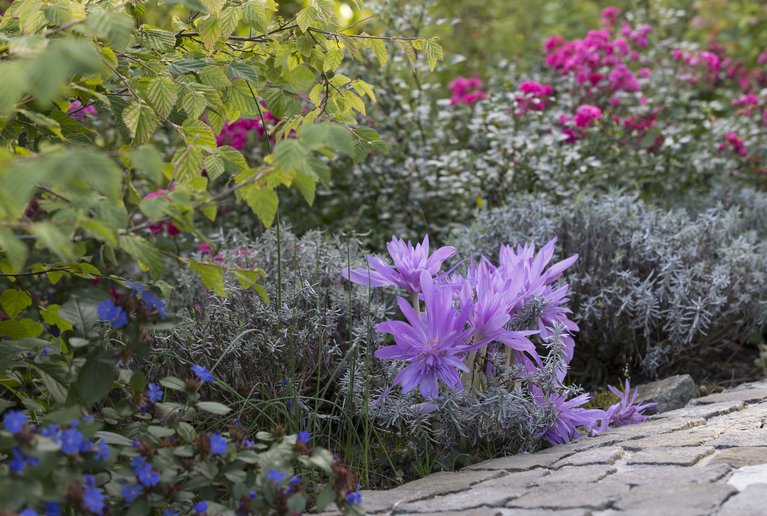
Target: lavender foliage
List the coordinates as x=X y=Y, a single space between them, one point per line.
x=655 y=289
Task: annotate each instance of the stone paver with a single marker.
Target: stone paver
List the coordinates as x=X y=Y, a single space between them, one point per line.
x=571 y=495
x=676 y=456
x=708 y=458
x=751 y=501
x=701 y=498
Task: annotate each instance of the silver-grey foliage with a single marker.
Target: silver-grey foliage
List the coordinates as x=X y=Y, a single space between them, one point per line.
x=652 y=288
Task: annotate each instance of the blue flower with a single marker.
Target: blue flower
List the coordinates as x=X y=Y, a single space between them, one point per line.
x=355 y=498
x=151 y=301
x=28 y=512
x=93 y=499
x=14 y=421
x=252 y=495
x=46 y=351
x=201 y=507
x=52 y=508
x=52 y=431
x=218 y=444
x=102 y=451
x=17 y=464
x=146 y=475
x=202 y=373
x=71 y=441
x=109 y=311
x=169 y=512
x=276 y=476
x=303 y=437
x=154 y=393
x=131 y=492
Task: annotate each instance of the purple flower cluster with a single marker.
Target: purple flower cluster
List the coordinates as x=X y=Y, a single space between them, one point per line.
x=499 y=307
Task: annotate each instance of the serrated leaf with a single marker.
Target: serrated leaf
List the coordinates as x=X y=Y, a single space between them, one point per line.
x=333 y=60
x=187 y=164
x=228 y=20
x=163 y=94
x=263 y=202
x=241 y=97
x=379 y=49
x=212 y=276
x=210 y=31
x=14 y=301
x=53 y=238
x=214 y=166
x=194 y=104
x=200 y=135
x=156 y=39
x=148 y=160
x=406 y=49
x=307 y=17
x=112 y=25
x=434 y=52
x=141 y=121
x=51 y=316
x=146 y=254
x=14 y=249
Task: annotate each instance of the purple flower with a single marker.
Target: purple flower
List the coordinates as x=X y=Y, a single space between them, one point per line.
x=154 y=393
x=102 y=451
x=355 y=498
x=130 y=492
x=433 y=343
x=569 y=417
x=218 y=444
x=14 y=421
x=109 y=311
x=52 y=508
x=18 y=462
x=201 y=507
x=303 y=437
x=28 y=512
x=626 y=411
x=71 y=441
x=409 y=263
x=276 y=476
x=202 y=373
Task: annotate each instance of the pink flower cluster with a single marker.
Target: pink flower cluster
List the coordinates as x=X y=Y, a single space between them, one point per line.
x=535 y=96
x=583 y=118
x=735 y=144
x=80 y=113
x=236 y=133
x=748 y=102
x=466 y=90
x=164 y=226
x=600 y=60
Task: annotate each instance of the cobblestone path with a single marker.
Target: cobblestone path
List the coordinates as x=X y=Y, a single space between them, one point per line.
x=709 y=458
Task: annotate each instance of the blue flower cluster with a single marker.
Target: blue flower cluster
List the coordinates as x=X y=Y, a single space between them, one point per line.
x=109 y=311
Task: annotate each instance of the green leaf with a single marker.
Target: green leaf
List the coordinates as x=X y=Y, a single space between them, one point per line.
x=379 y=49
x=333 y=60
x=263 y=202
x=210 y=31
x=58 y=242
x=147 y=255
x=187 y=164
x=21 y=329
x=214 y=166
x=156 y=39
x=95 y=379
x=199 y=135
x=241 y=97
x=112 y=25
x=242 y=70
x=14 y=249
x=173 y=383
x=14 y=84
x=307 y=17
x=114 y=439
x=434 y=52
x=194 y=104
x=333 y=136
x=163 y=94
x=212 y=276
x=14 y=301
x=141 y=120
x=213 y=407
x=81 y=313
x=148 y=160
x=51 y=316
x=326 y=496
